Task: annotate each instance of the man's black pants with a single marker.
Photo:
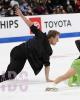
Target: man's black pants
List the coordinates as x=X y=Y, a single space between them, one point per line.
x=18 y=58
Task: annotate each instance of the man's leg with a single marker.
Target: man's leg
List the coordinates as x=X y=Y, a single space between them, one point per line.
x=14 y=68
x=18 y=58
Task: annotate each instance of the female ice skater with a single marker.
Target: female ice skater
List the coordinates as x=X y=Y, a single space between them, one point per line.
x=73 y=74
x=37 y=51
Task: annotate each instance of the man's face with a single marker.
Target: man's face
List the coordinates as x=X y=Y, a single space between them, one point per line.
x=54 y=40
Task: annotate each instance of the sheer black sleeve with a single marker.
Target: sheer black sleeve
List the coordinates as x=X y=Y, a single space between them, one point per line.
x=77 y=42
x=36 y=31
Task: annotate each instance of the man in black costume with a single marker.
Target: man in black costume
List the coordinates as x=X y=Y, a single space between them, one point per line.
x=36 y=50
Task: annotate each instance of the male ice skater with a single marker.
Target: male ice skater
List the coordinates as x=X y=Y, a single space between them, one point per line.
x=37 y=51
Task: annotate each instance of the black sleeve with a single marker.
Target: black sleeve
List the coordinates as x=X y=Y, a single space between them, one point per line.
x=78 y=44
x=36 y=31
x=46 y=61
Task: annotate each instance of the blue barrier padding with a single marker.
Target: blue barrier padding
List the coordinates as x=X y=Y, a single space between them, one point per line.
x=26 y=38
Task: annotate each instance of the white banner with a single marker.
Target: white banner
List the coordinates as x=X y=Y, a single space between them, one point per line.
x=16 y=27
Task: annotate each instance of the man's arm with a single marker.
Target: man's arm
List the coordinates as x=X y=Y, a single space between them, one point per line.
x=47 y=69
x=33 y=28
x=19 y=13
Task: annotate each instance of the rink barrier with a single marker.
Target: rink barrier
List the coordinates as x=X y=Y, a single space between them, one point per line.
x=26 y=38
x=14 y=29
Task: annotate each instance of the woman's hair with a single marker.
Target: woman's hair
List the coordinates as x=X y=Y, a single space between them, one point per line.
x=52 y=33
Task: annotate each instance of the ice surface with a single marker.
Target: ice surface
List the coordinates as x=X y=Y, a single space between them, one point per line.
x=33 y=87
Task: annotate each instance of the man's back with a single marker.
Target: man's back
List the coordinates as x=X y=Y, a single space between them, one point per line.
x=39 y=50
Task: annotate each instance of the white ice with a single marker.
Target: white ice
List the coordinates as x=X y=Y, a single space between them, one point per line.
x=33 y=87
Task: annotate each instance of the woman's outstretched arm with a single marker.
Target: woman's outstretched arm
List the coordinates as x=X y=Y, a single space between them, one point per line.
x=67 y=75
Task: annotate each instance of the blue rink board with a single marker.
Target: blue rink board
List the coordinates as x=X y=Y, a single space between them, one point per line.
x=25 y=38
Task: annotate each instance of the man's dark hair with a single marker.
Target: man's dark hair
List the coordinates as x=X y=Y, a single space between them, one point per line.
x=52 y=33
